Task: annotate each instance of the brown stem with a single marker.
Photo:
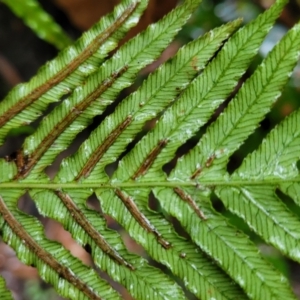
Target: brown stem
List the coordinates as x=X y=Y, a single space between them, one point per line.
x=140 y=218
x=67 y=69
x=42 y=254
x=81 y=219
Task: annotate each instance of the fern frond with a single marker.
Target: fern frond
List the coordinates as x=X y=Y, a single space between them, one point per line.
x=162 y=87
x=40 y=22
x=199 y=274
x=244 y=113
x=277 y=156
x=199 y=101
x=107 y=249
x=70 y=277
x=5 y=293
x=69 y=69
x=200 y=51
x=99 y=90
x=215 y=260
x=232 y=250
x=279 y=151
x=147 y=147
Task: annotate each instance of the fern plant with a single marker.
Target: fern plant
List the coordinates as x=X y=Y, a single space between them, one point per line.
x=217 y=261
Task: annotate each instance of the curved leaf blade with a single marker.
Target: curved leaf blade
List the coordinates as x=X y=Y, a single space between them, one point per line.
x=69 y=69
x=266 y=215
x=5 y=293
x=264 y=212
x=40 y=22
x=209 y=158
x=140 y=279
x=232 y=250
x=157 y=92
x=89 y=100
x=199 y=274
x=277 y=156
x=197 y=103
x=55 y=264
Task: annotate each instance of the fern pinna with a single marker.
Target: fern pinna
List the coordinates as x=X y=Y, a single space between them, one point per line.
x=216 y=261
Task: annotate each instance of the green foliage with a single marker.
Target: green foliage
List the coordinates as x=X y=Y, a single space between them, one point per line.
x=5 y=294
x=40 y=22
x=216 y=261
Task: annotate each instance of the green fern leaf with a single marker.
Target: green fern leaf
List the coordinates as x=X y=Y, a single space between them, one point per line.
x=25 y=234
x=198 y=102
x=40 y=22
x=292 y=189
x=99 y=90
x=248 y=108
x=215 y=260
x=200 y=275
x=108 y=251
x=60 y=76
x=156 y=93
x=279 y=224
x=5 y=294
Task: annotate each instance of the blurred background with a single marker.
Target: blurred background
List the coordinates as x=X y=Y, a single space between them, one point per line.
x=22 y=53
